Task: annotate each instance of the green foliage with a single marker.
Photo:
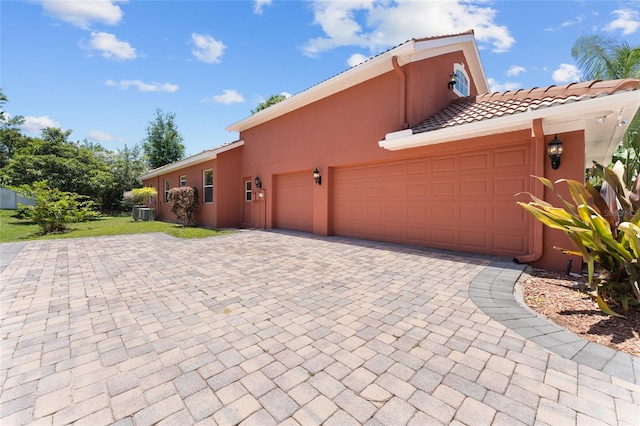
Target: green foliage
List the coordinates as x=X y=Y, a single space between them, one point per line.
x=271 y=100
x=605 y=238
x=55 y=209
x=5 y=120
x=184 y=203
x=65 y=165
x=137 y=196
x=605 y=58
x=163 y=144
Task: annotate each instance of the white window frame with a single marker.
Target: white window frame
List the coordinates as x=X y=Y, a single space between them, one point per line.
x=167 y=187
x=206 y=186
x=248 y=191
x=461 y=87
x=183 y=181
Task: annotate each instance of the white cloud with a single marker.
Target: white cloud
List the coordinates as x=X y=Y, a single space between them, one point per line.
x=515 y=70
x=566 y=74
x=228 y=96
x=82 y=13
x=356 y=59
x=36 y=124
x=142 y=86
x=628 y=21
x=258 y=5
x=379 y=25
x=99 y=136
x=110 y=47
x=207 y=48
x=286 y=94
x=496 y=86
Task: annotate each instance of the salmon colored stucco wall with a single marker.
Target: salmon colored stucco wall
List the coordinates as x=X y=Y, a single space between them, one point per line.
x=227 y=189
x=571 y=167
x=427 y=81
x=206 y=212
x=342 y=129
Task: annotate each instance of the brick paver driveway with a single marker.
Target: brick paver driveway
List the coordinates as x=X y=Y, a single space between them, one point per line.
x=270 y=328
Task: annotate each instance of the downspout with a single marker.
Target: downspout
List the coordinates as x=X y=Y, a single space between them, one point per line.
x=536 y=228
x=403 y=92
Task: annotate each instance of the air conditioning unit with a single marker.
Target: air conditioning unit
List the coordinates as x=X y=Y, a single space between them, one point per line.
x=147 y=214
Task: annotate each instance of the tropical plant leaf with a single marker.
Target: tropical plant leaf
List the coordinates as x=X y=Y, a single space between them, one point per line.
x=606 y=309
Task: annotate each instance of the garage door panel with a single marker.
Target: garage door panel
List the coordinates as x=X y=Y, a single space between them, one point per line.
x=462 y=201
x=475 y=240
x=294 y=202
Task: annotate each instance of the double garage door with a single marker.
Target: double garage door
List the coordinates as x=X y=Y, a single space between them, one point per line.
x=459 y=201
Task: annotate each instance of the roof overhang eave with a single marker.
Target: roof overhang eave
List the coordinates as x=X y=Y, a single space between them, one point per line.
x=556 y=119
x=190 y=161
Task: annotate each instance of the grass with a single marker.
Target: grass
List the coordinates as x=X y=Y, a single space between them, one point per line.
x=13 y=229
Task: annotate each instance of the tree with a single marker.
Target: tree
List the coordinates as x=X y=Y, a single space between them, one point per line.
x=271 y=100
x=606 y=58
x=54 y=209
x=126 y=166
x=10 y=137
x=163 y=144
x=65 y=165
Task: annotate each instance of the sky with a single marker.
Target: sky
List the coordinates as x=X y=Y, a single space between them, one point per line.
x=103 y=68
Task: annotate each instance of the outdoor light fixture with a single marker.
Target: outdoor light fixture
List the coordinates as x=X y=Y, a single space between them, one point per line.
x=258 y=182
x=555 y=150
x=316 y=177
x=452 y=81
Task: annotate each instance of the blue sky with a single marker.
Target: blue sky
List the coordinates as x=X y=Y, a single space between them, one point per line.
x=101 y=68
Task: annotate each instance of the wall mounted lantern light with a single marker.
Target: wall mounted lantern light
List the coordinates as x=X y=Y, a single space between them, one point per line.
x=258 y=182
x=555 y=150
x=316 y=177
x=452 y=81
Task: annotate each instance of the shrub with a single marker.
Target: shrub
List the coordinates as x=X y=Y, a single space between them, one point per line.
x=137 y=196
x=184 y=203
x=608 y=239
x=54 y=209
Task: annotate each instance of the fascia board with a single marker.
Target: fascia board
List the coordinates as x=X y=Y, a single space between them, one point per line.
x=190 y=161
x=572 y=112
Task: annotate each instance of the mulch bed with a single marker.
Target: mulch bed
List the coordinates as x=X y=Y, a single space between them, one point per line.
x=557 y=297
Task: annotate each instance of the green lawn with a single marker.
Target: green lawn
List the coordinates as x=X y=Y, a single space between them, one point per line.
x=12 y=229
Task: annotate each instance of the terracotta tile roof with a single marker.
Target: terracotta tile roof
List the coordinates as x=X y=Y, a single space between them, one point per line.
x=494 y=105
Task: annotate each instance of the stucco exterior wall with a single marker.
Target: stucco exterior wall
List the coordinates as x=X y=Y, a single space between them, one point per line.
x=341 y=129
x=571 y=167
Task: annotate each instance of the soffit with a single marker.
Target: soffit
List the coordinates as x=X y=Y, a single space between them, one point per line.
x=594 y=106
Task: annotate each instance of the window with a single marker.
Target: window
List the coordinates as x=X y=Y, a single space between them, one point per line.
x=207 y=186
x=166 y=190
x=247 y=191
x=183 y=181
x=462 y=80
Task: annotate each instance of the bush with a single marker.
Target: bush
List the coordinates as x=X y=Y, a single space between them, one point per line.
x=55 y=209
x=184 y=203
x=137 y=196
x=607 y=238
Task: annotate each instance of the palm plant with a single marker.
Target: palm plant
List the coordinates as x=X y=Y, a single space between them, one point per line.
x=604 y=58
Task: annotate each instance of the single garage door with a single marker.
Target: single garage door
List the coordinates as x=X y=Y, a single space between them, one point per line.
x=294 y=202
x=460 y=201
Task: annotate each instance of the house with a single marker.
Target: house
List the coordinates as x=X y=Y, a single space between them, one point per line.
x=409 y=147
